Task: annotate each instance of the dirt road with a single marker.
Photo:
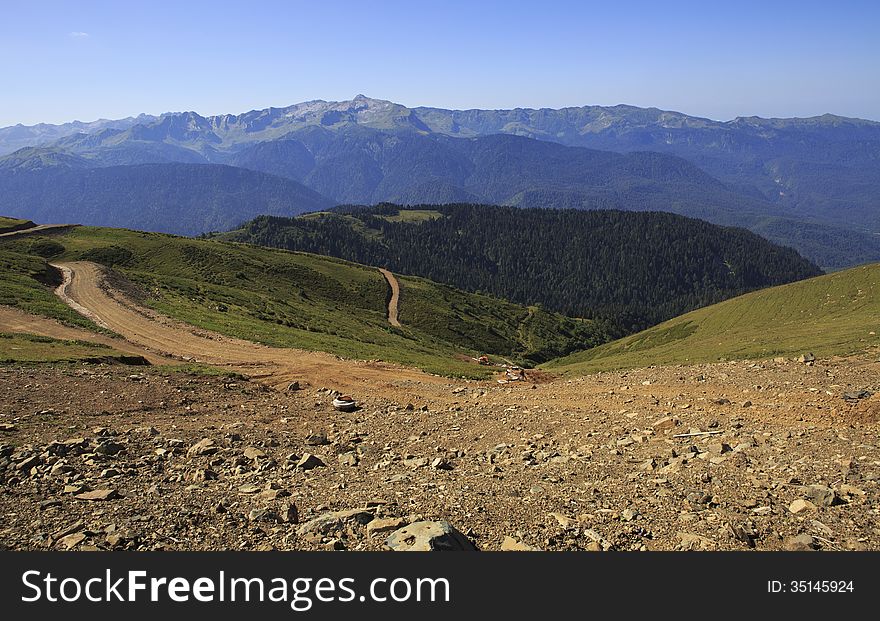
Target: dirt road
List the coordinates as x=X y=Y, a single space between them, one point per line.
x=40 y=228
x=395 y=297
x=87 y=291
x=15 y=321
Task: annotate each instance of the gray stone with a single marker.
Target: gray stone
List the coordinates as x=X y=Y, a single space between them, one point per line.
x=289 y=514
x=820 y=495
x=415 y=462
x=429 y=537
x=628 y=515
x=109 y=448
x=263 y=514
x=203 y=474
x=316 y=439
x=855 y=395
x=348 y=459
x=272 y=494
x=441 y=464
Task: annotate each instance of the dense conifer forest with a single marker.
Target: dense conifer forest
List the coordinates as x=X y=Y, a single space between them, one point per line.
x=627 y=268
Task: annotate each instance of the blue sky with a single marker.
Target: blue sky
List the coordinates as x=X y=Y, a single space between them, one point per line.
x=84 y=60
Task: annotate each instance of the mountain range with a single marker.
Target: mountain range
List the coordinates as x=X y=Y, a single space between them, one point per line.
x=808 y=183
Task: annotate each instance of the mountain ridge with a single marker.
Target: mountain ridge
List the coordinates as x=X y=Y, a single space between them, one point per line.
x=362 y=102
x=808 y=182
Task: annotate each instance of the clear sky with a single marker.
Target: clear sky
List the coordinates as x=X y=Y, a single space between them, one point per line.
x=83 y=59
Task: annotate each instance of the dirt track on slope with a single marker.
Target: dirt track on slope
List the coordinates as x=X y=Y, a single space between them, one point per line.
x=395 y=297
x=87 y=290
x=40 y=228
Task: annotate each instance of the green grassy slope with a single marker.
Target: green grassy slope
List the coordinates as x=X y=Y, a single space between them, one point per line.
x=834 y=314
x=289 y=299
x=488 y=325
x=413 y=215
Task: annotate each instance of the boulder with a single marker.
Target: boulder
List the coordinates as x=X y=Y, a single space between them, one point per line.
x=820 y=495
x=429 y=537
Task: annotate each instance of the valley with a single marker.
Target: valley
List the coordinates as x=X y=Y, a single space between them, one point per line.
x=227 y=439
x=284 y=299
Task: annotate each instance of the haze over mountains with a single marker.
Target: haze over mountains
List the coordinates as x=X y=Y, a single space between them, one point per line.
x=809 y=183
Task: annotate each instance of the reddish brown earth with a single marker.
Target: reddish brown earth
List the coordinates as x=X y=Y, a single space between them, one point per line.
x=395 y=296
x=778 y=458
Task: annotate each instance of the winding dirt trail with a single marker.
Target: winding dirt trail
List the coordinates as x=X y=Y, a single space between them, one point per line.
x=162 y=339
x=88 y=291
x=395 y=297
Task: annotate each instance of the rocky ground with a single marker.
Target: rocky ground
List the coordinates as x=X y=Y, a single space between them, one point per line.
x=744 y=455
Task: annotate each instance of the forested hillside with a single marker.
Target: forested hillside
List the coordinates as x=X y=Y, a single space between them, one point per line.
x=633 y=269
